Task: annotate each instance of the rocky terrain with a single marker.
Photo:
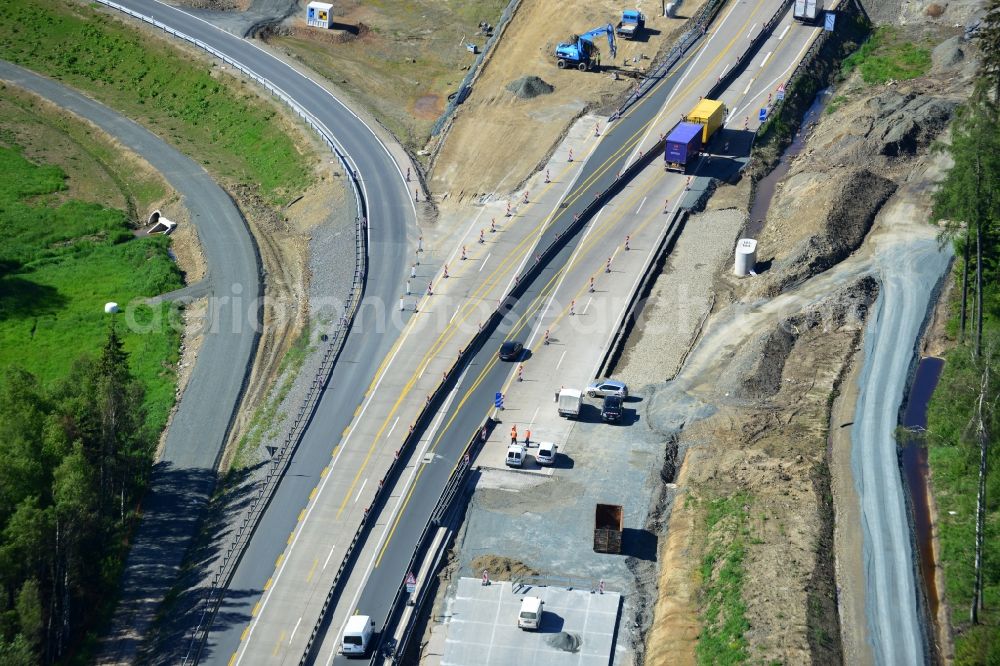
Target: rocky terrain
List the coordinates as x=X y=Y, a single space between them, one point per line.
x=750 y=410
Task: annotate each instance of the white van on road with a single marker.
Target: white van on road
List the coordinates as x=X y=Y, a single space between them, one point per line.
x=357 y=636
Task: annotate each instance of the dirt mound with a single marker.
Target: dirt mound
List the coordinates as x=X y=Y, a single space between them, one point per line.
x=849 y=199
x=907 y=123
x=501 y=568
x=565 y=641
x=529 y=87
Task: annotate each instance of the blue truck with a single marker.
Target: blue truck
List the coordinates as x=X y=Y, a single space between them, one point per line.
x=682 y=146
x=632 y=23
x=581 y=52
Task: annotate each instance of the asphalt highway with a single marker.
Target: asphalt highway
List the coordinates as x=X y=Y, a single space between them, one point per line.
x=391 y=220
x=472 y=398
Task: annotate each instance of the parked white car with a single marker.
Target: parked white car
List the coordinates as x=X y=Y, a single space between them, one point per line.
x=603 y=387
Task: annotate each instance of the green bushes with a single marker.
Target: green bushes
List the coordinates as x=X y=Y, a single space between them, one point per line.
x=186 y=103
x=888 y=56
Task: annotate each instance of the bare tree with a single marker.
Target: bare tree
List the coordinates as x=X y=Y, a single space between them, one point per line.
x=983 y=435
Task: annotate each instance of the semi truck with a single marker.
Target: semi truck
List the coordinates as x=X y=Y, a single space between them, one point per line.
x=807 y=11
x=688 y=137
x=632 y=23
x=608 y=528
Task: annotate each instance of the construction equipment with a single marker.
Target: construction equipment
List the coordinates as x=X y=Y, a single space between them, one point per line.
x=581 y=52
x=632 y=23
x=608 y=528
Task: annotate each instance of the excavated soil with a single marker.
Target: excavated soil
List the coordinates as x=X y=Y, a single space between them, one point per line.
x=755 y=407
x=495 y=139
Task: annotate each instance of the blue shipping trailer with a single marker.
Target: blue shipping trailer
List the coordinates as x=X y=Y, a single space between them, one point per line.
x=683 y=145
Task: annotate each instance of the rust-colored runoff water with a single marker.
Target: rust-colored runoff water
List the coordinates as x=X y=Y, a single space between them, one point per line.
x=913 y=458
x=764 y=191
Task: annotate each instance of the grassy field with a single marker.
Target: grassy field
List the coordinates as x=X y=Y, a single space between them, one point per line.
x=889 y=56
x=723 y=612
x=953 y=457
x=405 y=60
x=62 y=256
x=210 y=116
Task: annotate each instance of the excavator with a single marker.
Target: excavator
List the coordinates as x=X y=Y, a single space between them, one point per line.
x=581 y=52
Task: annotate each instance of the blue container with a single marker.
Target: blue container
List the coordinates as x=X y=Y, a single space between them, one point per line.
x=683 y=144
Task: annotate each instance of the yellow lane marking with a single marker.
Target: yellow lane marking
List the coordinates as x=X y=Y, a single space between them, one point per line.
x=267 y=585
x=256 y=609
x=312 y=570
x=277 y=644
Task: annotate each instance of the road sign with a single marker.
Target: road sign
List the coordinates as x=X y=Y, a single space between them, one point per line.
x=763 y=115
x=498 y=400
x=828 y=20
x=411 y=583
x=780 y=94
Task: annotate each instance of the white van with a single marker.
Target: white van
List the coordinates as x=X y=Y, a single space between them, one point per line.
x=515 y=455
x=546 y=454
x=357 y=636
x=530 y=616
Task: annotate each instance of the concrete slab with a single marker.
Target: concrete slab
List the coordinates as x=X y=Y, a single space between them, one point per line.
x=578 y=626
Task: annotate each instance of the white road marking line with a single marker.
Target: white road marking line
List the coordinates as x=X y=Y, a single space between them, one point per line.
x=764 y=61
x=332 y=548
x=560 y=360
x=640 y=205
x=322 y=487
x=590 y=227
x=589 y=301
x=747 y=89
x=678 y=86
x=392 y=428
x=453 y=316
x=778 y=78
x=532 y=422
x=484 y=262
x=752 y=28
x=615 y=253
x=358 y=496
x=294 y=630
x=783 y=32
x=404 y=493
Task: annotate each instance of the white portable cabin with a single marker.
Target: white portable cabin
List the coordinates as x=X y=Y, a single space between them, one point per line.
x=319 y=15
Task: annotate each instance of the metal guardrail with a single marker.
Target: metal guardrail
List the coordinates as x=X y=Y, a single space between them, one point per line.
x=445 y=504
x=460 y=474
x=282 y=457
x=697 y=25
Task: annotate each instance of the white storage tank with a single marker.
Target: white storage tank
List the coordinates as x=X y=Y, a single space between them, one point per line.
x=746 y=256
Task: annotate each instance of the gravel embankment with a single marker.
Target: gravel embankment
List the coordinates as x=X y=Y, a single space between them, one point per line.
x=680 y=299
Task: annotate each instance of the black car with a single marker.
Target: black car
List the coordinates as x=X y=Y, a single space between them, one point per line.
x=612 y=409
x=510 y=350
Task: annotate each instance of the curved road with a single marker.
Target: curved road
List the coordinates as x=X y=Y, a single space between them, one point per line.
x=391 y=215
x=893 y=331
x=185 y=475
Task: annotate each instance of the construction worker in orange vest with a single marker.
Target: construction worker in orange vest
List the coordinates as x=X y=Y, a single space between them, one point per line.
x=513 y=434
x=527 y=437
